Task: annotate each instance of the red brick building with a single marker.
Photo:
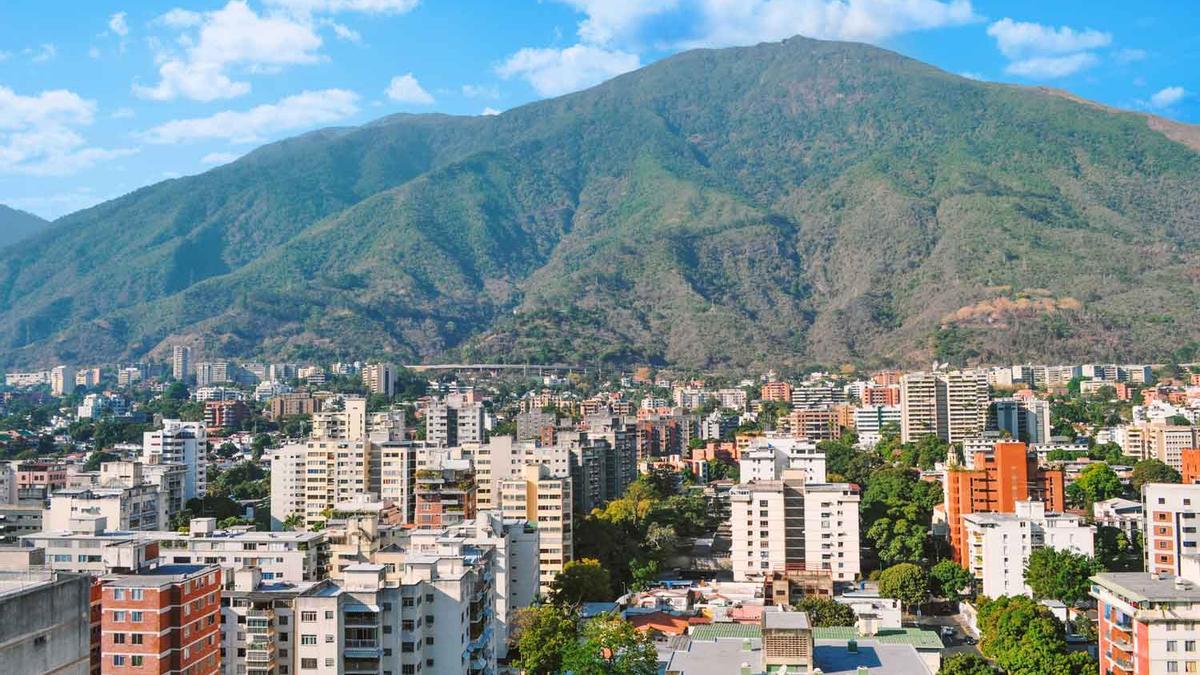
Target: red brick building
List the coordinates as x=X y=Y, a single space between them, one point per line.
x=225 y=414
x=162 y=620
x=1190 y=459
x=777 y=391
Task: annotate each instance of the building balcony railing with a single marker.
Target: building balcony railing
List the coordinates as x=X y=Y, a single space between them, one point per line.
x=362 y=644
x=362 y=620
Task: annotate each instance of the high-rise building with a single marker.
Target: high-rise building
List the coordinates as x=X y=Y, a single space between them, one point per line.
x=62 y=380
x=1146 y=622
x=162 y=620
x=452 y=423
x=1189 y=461
x=998 y=545
x=47 y=625
x=777 y=391
x=1166 y=443
x=546 y=503
x=380 y=378
x=214 y=372
x=791 y=524
x=445 y=494
x=180 y=442
x=999 y=478
x=1172 y=526
x=950 y=405
x=181 y=358
x=1026 y=419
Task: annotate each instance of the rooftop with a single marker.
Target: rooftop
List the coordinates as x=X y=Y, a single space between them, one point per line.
x=727 y=655
x=164 y=575
x=1142 y=587
x=915 y=637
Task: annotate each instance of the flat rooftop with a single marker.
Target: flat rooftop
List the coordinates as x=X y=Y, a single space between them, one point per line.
x=1140 y=586
x=726 y=655
x=160 y=576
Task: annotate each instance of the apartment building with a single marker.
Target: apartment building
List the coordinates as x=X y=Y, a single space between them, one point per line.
x=89 y=547
x=292 y=404
x=1026 y=419
x=1147 y=623
x=999 y=478
x=871 y=420
x=767 y=457
x=950 y=405
x=180 y=442
x=791 y=524
x=181 y=367
x=162 y=620
x=62 y=380
x=450 y=423
x=544 y=501
x=1189 y=469
x=342 y=419
x=998 y=545
x=380 y=378
x=214 y=372
x=279 y=556
x=776 y=391
x=1166 y=443
x=288 y=481
x=1172 y=526
x=445 y=494
x=46 y=622
x=134 y=507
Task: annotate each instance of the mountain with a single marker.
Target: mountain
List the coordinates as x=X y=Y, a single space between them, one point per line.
x=17 y=225
x=788 y=203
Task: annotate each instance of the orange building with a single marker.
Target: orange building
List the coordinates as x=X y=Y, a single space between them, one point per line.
x=163 y=620
x=1190 y=466
x=881 y=395
x=777 y=391
x=887 y=378
x=1001 y=477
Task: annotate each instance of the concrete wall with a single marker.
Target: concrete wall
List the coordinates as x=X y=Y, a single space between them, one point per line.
x=45 y=628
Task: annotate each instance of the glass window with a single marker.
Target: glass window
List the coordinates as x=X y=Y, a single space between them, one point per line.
x=308 y=639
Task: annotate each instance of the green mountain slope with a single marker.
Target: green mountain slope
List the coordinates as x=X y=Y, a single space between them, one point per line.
x=17 y=225
x=789 y=202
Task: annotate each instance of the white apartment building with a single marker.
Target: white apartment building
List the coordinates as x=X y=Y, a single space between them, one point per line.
x=1172 y=521
x=136 y=507
x=950 y=405
x=287 y=483
x=999 y=544
x=789 y=522
x=280 y=556
x=1025 y=419
x=454 y=422
x=546 y=503
x=347 y=421
x=62 y=380
x=183 y=443
x=181 y=358
x=767 y=457
x=872 y=419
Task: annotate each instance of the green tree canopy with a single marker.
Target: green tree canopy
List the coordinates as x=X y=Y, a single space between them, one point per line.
x=1022 y=637
x=826 y=612
x=1153 y=471
x=948 y=579
x=611 y=645
x=905 y=582
x=543 y=634
x=966 y=664
x=1095 y=483
x=1060 y=574
x=583 y=580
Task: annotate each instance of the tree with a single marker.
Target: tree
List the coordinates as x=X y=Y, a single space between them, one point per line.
x=583 y=580
x=1095 y=483
x=1060 y=574
x=905 y=582
x=1084 y=627
x=644 y=574
x=97 y=458
x=966 y=664
x=1116 y=552
x=826 y=612
x=949 y=579
x=611 y=645
x=1023 y=638
x=543 y=635
x=1153 y=471
x=896 y=510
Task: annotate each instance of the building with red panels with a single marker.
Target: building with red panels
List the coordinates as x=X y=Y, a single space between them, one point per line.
x=225 y=414
x=162 y=620
x=887 y=378
x=1190 y=465
x=446 y=495
x=1001 y=477
x=777 y=391
x=873 y=395
x=1146 y=623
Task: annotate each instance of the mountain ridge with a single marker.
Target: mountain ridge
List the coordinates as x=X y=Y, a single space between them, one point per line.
x=17 y=225
x=799 y=201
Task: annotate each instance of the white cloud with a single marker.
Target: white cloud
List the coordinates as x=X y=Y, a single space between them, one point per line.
x=335 y=6
x=490 y=111
x=344 y=32
x=122 y=113
x=1125 y=56
x=481 y=91
x=1043 y=52
x=1165 y=98
x=301 y=111
x=972 y=75
x=39 y=135
x=743 y=22
x=1052 y=67
x=609 y=20
x=219 y=157
x=406 y=89
x=559 y=71
x=118 y=25
x=1022 y=39
x=42 y=54
x=231 y=37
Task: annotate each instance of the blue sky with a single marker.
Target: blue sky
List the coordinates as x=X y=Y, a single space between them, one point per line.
x=100 y=97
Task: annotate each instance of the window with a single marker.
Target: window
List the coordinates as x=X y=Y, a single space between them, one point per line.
x=118 y=660
x=328 y=638
x=135 y=617
x=135 y=594
x=118 y=593
x=1172 y=645
x=118 y=616
x=308 y=640
x=308 y=664
x=136 y=638
x=329 y=663
x=136 y=660
x=308 y=616
x=118 y=638
x=328 y=614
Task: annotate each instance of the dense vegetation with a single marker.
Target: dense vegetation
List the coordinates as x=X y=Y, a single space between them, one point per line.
x=796 y=201
x=17 y=225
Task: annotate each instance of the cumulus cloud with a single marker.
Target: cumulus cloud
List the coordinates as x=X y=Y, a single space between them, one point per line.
x=406 y=89
x=609 y=20
x=344 y=32
x=304 y=110
x=559 y=71
x=1165 y=98
x=1044 y=52
x=39 y=134
x=490 y=111
x=231 y=37
x=335 y=6
x=43 y=53
x=118 y=25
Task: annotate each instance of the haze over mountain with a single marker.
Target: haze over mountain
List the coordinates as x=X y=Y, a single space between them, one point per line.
x=792 y=202
x=16 y=225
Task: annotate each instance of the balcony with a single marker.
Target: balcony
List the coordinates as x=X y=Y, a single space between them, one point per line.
x=359 y=665
x=362 y=619
x=1121 y=664
x=260 y=656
